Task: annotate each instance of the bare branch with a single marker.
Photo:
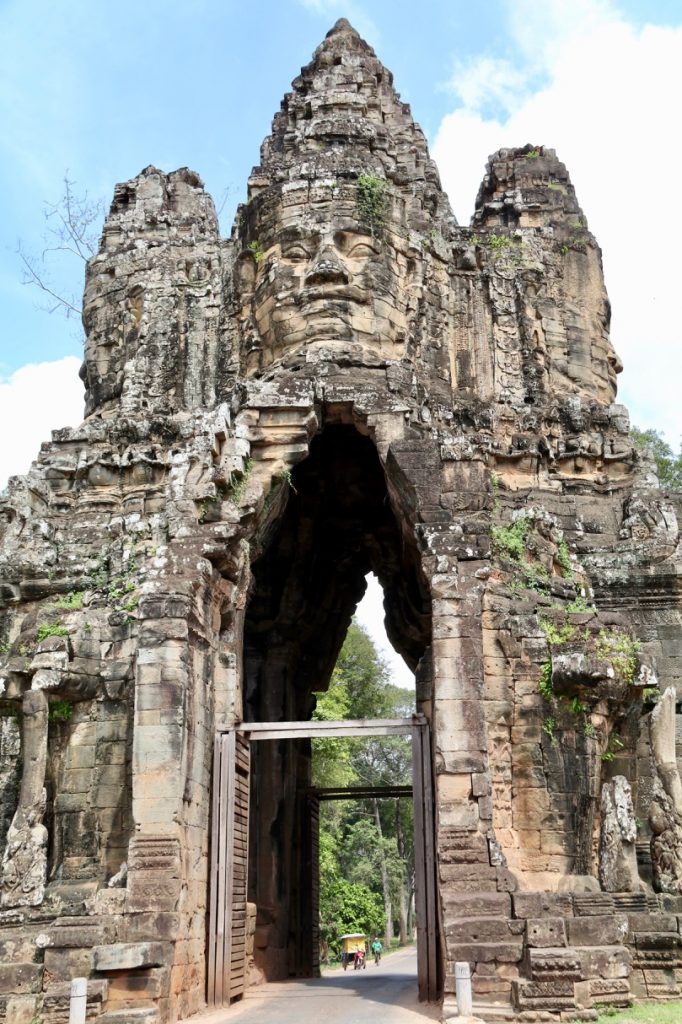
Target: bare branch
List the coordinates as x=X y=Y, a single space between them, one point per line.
x=73 y=227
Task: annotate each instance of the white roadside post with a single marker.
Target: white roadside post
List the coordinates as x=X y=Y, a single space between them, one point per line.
x=79 y=995
x=463 y=989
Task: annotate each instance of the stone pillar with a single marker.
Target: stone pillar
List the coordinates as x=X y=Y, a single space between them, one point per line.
x=24 y=864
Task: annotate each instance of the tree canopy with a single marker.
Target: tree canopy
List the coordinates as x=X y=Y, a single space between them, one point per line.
x=668 y=464
x=366 y=859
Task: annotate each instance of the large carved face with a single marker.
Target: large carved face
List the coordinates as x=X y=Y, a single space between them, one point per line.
x=325 y=282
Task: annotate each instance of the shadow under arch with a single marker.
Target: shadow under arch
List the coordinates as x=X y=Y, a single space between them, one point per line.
x=344 y=518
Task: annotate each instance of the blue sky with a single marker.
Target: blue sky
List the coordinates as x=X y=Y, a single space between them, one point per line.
x=100 y=90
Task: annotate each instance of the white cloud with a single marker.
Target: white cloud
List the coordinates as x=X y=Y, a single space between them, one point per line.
x=609 y=106
x=34 y=401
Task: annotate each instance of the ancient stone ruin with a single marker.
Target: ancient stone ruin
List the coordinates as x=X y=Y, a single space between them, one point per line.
x=350 y=383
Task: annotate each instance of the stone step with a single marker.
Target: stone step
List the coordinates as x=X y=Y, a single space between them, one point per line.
x=141 y=1015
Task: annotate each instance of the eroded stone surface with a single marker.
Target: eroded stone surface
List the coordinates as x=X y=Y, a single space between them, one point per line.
x=352 y=382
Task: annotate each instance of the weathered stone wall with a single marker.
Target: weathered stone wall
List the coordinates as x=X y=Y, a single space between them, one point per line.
x=350 y=383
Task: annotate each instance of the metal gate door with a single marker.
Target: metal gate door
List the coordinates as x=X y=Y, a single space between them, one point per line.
x=226 y=968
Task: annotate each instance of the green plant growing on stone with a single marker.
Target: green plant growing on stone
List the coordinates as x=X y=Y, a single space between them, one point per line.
x=554 y=634
x=256 y=250
x=73 y=601
x=589 y=730
x=533 y=154
x=615 y=744
x=563 y=557
x=60 y=711
x=545 y=686
x=371 y=200
x=580 y=604
x=285 y=476
x=238 y=483
x=46 y=630
x=205 y=506
x=510 y=541
x=500 y=243
x=577 y=707
x=549 y=727
x=621 y=650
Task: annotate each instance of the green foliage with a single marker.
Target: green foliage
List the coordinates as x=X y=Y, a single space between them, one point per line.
x=256 y=250
x=557 y=634
x=371 y=200
x=349 y=907
x=533 y=154
x=549 y=727
x=615 y=744
x=589 y=730
x=367 y=843
x=502 y=243
x=72 y=601
x=642 y=1013
x=545 y=685
x=238 y=482
x=621 y=650
x=563 y=557
x=46 y=630
x=580 y=604
x=60 y=711
x=668 y=464
x=577 y=707
x=510 y=541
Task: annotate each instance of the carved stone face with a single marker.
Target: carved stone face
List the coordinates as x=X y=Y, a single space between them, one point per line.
x=325 y=282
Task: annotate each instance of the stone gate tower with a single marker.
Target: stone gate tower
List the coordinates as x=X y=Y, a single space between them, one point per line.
x=351 y=382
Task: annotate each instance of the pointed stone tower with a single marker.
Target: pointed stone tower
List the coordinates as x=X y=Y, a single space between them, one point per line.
x=351 y=383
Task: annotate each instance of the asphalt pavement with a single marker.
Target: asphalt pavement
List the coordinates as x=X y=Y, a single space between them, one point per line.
x=380 y=994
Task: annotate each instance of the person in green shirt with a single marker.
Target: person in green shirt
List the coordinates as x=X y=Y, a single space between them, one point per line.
x=376 y=950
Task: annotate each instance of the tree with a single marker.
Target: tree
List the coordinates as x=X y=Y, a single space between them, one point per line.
x=371 y=839
x=72 y=230
x=668 y=464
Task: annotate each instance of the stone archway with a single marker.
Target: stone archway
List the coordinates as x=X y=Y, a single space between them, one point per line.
x=338 y=525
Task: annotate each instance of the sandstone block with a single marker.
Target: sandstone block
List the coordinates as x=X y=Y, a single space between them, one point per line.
x=609 y=962
x=556 y=963
x=125 y=956
x=542 y=904
x=19 y=979
x=557 y=995
x=549 y=931
x=597 y=930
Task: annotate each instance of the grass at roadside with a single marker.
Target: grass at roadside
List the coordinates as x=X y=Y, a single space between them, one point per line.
x=645 y=1013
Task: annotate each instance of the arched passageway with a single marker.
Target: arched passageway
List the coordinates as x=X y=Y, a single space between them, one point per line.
x=340 y=523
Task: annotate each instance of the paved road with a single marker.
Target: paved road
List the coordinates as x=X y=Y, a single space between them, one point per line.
x=386 y=994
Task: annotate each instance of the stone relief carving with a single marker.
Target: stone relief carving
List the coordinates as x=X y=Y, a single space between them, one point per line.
x=665 y=814
x=618 y=870
x=24 y=863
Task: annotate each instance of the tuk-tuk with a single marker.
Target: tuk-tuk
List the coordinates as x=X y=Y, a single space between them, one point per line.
x=354 y=950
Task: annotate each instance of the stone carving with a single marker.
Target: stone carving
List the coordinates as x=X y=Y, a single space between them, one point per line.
x=24 y=863
x=665 y=813
x=618 y=870
x=351 y=382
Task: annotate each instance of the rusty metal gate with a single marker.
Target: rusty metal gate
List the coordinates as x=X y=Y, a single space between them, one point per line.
x=226 y=960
